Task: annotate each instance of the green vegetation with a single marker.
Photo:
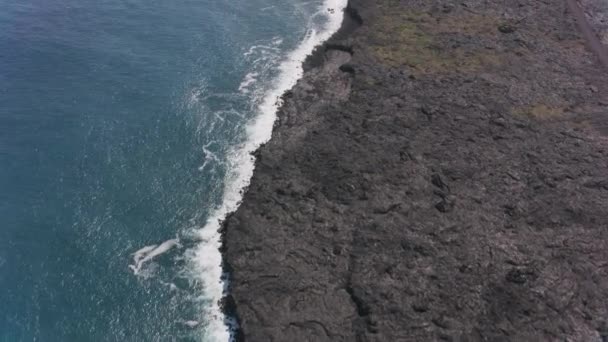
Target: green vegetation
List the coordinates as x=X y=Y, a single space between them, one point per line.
x=539 y=111
x=415 y=40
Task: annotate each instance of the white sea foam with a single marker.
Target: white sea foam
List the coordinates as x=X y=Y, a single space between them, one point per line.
x=263 y=58
x=250 y=79
x=210 y=157
x=273 y=46
x=137 y=256
x=194 y=95
x=240 y=165
x=150 y=252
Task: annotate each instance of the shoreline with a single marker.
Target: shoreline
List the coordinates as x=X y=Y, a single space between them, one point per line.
x=317 y=59
x=351 y=20
x=242 y=160
x=437 y=173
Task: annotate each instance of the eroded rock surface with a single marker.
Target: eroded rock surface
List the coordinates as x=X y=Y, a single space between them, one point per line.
x=440 y=173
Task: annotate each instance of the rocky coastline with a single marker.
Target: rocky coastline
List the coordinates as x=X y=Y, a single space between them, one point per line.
x=439 y=173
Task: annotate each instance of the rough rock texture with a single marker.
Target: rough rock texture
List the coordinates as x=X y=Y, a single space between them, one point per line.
x=597 y=14
x=440 y=173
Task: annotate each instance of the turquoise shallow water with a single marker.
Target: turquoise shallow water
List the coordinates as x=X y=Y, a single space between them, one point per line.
x=116 y=119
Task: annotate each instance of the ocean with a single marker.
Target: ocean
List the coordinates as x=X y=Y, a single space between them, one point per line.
x=126 y=132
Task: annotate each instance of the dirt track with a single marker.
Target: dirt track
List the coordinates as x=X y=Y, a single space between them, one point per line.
x=588 y=33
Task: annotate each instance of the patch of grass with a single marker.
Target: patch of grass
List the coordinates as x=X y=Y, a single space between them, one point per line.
x=539 y=111
x=471 y=24
x=413 y=39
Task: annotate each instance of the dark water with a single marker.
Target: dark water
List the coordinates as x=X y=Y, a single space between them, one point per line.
x=116 y=123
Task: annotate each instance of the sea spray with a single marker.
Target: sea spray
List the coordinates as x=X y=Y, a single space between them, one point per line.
x=240 y=167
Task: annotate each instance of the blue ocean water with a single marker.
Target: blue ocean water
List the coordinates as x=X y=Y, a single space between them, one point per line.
x=125 y=128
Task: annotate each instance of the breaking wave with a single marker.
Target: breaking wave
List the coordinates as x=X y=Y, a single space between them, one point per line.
x=272 y=73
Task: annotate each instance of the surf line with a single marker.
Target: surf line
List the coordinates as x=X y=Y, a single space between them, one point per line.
x=241 y=163
x=206 y=257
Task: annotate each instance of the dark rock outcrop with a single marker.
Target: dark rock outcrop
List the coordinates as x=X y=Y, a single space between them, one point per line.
x=451 y=187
